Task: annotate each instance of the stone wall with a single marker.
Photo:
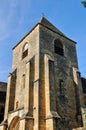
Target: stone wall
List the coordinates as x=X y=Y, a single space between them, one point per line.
x=3 y=88
x=45 y=87
x=60 y=68
x=84 y=89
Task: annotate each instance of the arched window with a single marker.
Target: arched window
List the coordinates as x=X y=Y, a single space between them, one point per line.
x=15 y=123
x=58 y=47
x=25 y=50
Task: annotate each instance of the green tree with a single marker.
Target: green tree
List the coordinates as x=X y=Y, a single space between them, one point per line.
x=84 y=3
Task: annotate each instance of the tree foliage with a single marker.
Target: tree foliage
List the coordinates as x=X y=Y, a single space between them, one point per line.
x=84 y=3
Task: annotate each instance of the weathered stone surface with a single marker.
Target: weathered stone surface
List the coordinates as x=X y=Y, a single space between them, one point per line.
x=51 y=98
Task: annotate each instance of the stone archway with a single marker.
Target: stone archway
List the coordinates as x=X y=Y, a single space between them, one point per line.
x=14 y=125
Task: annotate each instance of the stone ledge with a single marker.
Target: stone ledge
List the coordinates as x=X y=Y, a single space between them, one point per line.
x=15 y=110
x=81 y=128
x=52 y=114
x=27 y=117
x=4 y=123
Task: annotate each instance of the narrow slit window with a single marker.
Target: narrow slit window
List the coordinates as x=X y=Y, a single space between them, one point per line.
x=23 y=81
x=17 y=104
x=61 y=85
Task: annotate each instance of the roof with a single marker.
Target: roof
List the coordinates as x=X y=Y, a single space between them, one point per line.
x=44 y=22
x=49 y=25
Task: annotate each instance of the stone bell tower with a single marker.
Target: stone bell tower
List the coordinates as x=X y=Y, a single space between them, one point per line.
x=44 y=88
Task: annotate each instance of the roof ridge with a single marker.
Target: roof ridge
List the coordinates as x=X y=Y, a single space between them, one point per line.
x=44 y=22
x=47 y=23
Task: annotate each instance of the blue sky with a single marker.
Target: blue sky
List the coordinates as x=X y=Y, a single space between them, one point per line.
x=17 y=17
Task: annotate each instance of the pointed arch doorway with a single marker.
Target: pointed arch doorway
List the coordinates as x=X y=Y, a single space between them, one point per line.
x=14 y=125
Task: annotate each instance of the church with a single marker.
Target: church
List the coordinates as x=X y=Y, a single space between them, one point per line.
x=44 y=90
